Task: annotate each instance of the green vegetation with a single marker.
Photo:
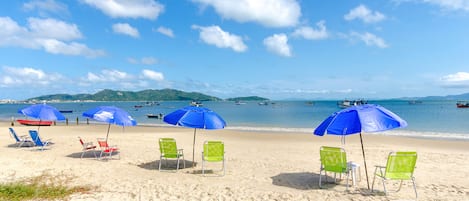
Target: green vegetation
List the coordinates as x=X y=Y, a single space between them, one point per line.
x=248 y=98
x=145 y=95
x=43 y=187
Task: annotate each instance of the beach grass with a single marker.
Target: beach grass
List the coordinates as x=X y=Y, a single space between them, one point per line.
x=43 y=187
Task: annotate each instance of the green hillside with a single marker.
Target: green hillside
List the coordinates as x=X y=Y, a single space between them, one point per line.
x=145 y=95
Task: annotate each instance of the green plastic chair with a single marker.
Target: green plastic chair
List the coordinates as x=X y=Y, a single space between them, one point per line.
x=214 y=151
x=400 y=166
x=333 y=159
x=169 y=150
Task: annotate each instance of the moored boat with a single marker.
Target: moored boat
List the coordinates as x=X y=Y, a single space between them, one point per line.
x=462 y=104
x=28 y=122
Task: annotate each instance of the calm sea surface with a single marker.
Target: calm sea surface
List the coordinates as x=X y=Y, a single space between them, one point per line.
x=430 y=117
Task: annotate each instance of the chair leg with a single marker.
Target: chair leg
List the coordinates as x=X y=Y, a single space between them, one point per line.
x=224 y=169
x=177 y=165
x=415 y=187
x=400 y=185
x=320 y=175
x=82 y=153
x=384 y=187
x=159 y=166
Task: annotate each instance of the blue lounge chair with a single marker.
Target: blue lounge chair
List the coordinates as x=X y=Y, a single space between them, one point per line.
x=21 y=140
x=37 y=139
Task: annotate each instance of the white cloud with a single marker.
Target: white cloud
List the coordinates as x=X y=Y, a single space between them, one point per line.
x=278 y=13
x=366 y=15
x=148 y=9
x=108 y=76
x=47 y=34
x=456 y=80
x=457 y=77
x=52 y=28
x=144 y=60
x=45 y=6
x=450 y=4
x=370 y=39
x=214 y=35
x=14 y=77
x=278 y=44
x=165 y=31
x=126 y=29
x=311 y=33
x=152 y=75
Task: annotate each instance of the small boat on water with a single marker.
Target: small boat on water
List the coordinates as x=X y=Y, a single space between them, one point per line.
x=347 y=103
x=240 y=103
x=462 y=104
x=196 y=103
x=28 y=122
x=155 y=116
x=66 y=111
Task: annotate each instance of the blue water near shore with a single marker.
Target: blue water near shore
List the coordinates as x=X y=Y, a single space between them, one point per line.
x=430 y=118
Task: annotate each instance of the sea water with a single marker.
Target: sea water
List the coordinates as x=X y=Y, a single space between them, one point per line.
x=439 y=119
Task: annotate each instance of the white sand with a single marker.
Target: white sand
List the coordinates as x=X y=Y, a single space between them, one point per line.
x=259 y=166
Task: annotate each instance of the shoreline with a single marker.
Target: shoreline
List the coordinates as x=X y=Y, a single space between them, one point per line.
x=402 y=132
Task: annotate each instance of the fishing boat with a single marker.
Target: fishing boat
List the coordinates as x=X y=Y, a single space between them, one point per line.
x=462 y=104
x=155 y=116
x=66 y=111
x=28 y=122
x=347 y=103
x=196 y=103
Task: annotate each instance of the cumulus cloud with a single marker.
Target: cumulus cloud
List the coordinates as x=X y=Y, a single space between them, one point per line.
x=370 y=39
x=152 y=75
x=126 y=29
x=165 y=31
x=456 y=80
x=51 y=35
x=278 y=44
x=143 y=60
x=361 y=12
x=214 y=35
x=22 y=76
x=148 y=9
x=311 y=33
x=279 y=13
x=108 y=76
x=45 y=6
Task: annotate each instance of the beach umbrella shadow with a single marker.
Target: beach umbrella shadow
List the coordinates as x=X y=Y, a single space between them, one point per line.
x=298 y=180
x=171 y=165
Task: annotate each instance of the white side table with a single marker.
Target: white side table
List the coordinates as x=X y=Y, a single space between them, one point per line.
x=354 y=167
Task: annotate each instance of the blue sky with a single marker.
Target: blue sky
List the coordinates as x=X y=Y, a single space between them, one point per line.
x=279 y=49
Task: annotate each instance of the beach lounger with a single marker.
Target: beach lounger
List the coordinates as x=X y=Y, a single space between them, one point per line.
x=21 y=140
x=87 y=147
x=214 y=151
x=168 y=149
x=107 y=150
x=37 y=139
x=333 y=159
x=400 y=166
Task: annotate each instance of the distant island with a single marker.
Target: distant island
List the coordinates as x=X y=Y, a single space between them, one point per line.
x=145 y=95
x=248 y=98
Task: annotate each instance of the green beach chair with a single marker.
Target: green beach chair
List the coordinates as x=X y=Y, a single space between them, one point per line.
x=214 y=151
x=333 y=159
x=168 y=149
x=400 y=166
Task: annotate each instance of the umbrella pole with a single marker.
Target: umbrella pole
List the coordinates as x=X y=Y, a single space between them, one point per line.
x=364 y=161
x=108 y=128
x=193 y=148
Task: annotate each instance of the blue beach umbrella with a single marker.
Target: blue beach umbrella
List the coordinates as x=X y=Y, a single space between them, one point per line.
x=195 y=117
x=111 y=115
x=358 y=119
x=42 y=112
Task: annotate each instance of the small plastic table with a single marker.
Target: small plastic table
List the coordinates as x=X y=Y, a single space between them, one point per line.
x=354 y=167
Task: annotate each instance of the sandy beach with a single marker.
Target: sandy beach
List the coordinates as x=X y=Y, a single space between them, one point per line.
x=259 y=165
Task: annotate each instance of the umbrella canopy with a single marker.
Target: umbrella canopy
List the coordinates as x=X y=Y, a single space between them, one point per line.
x=195 y=117
x=358 y=119
x=111 y=115
x=42 y=112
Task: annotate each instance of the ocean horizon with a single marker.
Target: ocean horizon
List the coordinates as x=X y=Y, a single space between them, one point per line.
x=428 y=119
